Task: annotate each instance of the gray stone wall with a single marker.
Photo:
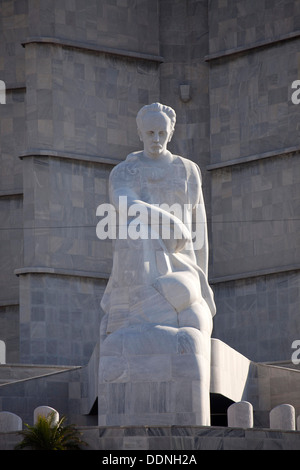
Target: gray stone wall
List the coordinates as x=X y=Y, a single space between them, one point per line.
x=76 y=75
x=13 y=28
x=9 y=327
x=237 y=23
x=11 y=246
x=84 y=102
x=251 y=109
x=253 y=58
x=259 y=315
x=255 y=218
x=115 y=24
x=61 y=197
x=184 y=46
x=59 y=317
x=62 y=388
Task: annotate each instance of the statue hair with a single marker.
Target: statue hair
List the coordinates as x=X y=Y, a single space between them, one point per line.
x=156 y=107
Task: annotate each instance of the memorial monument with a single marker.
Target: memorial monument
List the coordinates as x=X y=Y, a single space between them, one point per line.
x=155 y=336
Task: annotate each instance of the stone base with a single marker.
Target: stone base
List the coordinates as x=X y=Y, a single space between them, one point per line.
x=189 y=438
x=155 y=376
x=176 y=438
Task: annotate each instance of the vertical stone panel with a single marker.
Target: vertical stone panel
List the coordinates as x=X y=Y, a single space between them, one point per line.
x=258 y=316
x=123 y=24
x=251 y=109
x=88 y=70
x=240 y=23
x=59 y=318
x=184 y=46
x=13 y=30
x=85 y=102
x=256 y=216
x=11 y=246
x=9 y=328
x=60 y=203
x=73 y=92
x=253 y=57
x=12 y=140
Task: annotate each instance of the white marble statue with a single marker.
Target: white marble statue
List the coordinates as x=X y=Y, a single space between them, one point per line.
x=158 y=304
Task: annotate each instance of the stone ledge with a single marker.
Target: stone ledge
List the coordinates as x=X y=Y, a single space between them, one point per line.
x=92 y=47
x=11 y=193
x=252 y=274
x=254 y=158
x=251 y=47
x=15 y=86
x=9 y=302
x=68 y=156
x=60 y=272
x=176 y=438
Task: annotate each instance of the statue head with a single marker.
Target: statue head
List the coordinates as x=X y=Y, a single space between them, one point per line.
x=156 y=124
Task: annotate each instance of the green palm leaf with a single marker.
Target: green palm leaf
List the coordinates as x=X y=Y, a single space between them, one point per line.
x=46 y=434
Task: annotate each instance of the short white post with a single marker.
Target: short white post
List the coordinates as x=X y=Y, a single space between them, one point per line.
x=240 y=415
x=45 y=411
x=10 y=422
x=283 y=417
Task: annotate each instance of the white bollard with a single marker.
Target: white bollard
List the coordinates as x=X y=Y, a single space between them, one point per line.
x=283 y=417
x=240 y=415
x=10 y=422
x=45 y=411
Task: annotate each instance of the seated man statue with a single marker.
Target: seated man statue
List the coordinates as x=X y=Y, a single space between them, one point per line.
x=155 y=335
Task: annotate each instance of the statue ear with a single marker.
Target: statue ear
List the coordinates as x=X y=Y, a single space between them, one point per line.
x=139 y=134
x=171 y=135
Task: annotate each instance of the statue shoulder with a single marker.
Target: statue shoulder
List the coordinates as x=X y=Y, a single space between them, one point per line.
x=125 y=169
x=192 y=169
x=133 y=156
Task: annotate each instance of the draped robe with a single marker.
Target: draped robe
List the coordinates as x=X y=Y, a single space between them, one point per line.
x=151 y=282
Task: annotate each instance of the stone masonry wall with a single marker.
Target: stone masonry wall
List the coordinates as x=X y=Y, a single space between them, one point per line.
x=254 y=58
x=76 y=74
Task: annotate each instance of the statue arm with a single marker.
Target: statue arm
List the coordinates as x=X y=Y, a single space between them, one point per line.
x=202 y=250
x=120 y=185
x=199 y=219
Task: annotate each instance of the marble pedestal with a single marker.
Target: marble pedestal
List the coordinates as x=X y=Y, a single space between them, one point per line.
x=154 y=375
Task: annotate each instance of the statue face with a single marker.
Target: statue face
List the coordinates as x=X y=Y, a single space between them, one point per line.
x=155 y=132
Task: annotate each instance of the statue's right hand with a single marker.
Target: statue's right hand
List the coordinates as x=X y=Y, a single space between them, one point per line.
x=179 y=236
